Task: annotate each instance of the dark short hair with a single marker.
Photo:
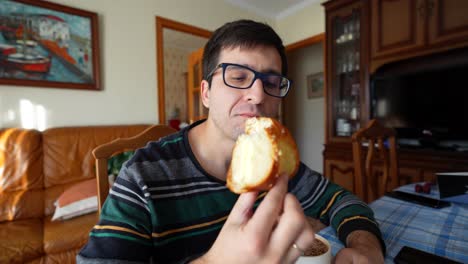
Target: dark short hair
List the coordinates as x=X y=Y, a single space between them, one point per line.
x=241 y=33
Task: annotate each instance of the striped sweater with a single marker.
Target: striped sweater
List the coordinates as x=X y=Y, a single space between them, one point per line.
x=165 y=208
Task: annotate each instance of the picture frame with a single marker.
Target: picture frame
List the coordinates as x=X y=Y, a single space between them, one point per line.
x=315 y=83
x=44 y=44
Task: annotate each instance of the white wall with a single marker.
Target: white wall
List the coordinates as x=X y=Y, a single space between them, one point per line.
x=128 y=67
x=307 y=22
x=128 y=64
x=305 y=117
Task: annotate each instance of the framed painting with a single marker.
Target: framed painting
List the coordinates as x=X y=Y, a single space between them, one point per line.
x=315 y=85
x=43 y=44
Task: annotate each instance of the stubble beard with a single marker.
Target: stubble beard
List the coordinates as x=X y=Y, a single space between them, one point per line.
x=228 y=128
x=237 y=131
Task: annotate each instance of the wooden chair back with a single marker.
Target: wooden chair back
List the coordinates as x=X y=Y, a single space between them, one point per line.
x=374 y=146
x=104 y=152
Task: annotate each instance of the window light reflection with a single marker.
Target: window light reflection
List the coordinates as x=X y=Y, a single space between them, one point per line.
x=26 y=114
x=32 y=116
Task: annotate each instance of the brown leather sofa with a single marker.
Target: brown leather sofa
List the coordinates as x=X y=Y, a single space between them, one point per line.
x=35 y=168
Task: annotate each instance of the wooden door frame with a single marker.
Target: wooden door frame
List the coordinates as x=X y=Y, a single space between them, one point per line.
x=162 y=23
x=306 y=42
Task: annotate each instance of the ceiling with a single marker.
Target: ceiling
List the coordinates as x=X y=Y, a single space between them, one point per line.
x=274 y=9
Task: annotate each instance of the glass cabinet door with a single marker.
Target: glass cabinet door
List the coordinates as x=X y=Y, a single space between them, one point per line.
x=346 y=78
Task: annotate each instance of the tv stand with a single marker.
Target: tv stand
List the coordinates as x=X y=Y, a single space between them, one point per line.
x=456 y=145
x=442 y=145
x=416 y=164
x=410 y=142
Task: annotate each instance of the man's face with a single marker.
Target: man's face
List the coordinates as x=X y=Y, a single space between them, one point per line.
x=230 y=107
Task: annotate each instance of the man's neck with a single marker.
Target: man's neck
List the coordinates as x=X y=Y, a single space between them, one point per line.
x=212 y=149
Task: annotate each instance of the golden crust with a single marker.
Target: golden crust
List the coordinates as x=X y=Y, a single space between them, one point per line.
x=285 y=157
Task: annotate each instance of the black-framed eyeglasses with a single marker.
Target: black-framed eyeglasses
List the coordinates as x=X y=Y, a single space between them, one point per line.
x=242 y=77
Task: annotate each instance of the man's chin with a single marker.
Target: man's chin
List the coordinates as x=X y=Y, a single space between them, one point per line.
x=239 y=124
x=238 y=128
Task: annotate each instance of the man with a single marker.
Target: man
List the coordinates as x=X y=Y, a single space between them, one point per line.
x=170 y=203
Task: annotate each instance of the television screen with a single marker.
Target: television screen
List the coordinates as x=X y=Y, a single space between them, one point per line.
x=430 y=107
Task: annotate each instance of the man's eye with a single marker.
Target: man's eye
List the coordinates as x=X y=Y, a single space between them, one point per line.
x=237 y=78
x=270 y=85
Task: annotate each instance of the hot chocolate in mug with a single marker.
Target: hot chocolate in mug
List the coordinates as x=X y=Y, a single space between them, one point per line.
x=318 y=254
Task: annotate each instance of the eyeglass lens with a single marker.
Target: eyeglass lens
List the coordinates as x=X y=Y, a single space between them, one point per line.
x=242 y=77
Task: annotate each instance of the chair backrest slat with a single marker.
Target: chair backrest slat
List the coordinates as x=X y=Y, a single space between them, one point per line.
x=380 y=150
x=104 y=152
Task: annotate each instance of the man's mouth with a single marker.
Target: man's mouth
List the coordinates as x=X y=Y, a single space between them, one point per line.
x=248 y=115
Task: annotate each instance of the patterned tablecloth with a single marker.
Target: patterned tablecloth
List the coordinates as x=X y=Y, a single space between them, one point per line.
x=442 y=232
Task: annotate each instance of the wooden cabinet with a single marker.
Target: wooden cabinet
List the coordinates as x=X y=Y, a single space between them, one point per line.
x=362 y=35
x=403 y=29
x=448 y=22
x=414 y=165
x=347 y=45
x=409 y=175
x=346 y=67
x=341 y=173
x=397 y=26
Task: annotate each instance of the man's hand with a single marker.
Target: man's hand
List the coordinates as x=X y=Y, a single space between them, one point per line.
x=265 y=236
x=362 y=247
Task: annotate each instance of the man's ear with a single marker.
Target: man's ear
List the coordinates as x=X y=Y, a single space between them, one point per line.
x=205 y=93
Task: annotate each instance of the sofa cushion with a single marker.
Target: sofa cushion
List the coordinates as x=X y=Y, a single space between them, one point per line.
x=27 y=234
x=21 y=177
x=68 y=150
x=21 y=240
x=59 y=258
x=68 y=256
x=57 y=235
x=40 y=260
x=21 y=205
x=51 y=195
x=79 y=199
x=23 y=145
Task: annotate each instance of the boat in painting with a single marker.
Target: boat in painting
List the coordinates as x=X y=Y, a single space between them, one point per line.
x=23 y=57
x=45 y=44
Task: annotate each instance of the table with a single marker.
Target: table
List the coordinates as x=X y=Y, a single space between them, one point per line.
x=443 y=232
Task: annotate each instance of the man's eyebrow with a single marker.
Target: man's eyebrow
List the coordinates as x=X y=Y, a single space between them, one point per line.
x=262 y=71
x=273 y=71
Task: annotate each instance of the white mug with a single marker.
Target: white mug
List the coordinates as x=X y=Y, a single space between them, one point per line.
x=325 y=258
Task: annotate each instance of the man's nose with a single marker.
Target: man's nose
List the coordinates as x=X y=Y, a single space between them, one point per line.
x=255 y=93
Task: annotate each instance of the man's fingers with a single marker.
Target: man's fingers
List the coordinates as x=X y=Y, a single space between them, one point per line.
x=266 y=215
x=292 y=228
x=243 y=209
x=303 y=242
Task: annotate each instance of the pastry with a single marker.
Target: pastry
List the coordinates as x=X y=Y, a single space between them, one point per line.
x=261 y=154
